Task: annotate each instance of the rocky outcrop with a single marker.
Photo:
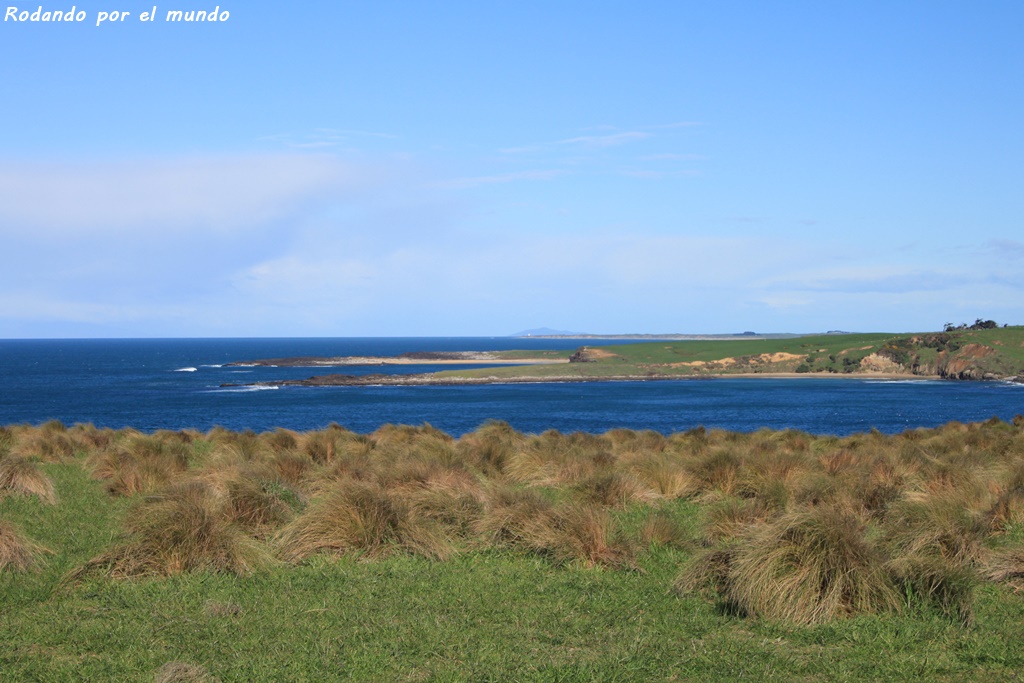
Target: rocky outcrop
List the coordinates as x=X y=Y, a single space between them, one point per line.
x=582 y=355
x=876 y=363
x=968 y=363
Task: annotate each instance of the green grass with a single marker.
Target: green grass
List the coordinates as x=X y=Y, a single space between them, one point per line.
x=510 y=611
x=923 y=354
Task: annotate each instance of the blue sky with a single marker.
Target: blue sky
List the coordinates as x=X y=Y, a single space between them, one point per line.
x=474 y=168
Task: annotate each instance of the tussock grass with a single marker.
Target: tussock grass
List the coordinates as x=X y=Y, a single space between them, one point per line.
x=259 y=505
x=490 y=447
x=51 y=442
x=525 y=520
x=811 y=566
x=729 y=516
x=664 y=475
x=1006 y=565
x=618 y=489
x=718 y=471
x=22 y=476
x=556 y=459
x=141 y=463
x=936 y=544
x=361 y=517
x=798 y=531
x=793 y=527
x=183 y=529
x=324 y=446
x=18 y=552
x=808 y=566
x=662 y=529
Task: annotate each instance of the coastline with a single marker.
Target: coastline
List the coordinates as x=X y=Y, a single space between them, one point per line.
x=438 y=358
x=432 y=379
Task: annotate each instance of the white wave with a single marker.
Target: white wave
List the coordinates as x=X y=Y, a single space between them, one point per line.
x=242 y=390
x=212 y=365
x=185 y=370
x=901 y=381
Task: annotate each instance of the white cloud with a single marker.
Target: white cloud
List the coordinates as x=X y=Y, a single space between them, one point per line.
x=601 y=141
x=677 y=124
x=672 y=157
x=658 y=175
x=477 y=181
x=1007 y=249
x=222 y=194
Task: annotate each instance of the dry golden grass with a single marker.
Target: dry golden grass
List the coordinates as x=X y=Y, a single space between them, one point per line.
x=661 y=529
x=730 y=516
x=183 y=529
x=794 y=527
x=612 y=488
x=22 y=476
x=807 y=566
x=141 y=463
x=1006 y=565
x=556 y=459
x=663 y=475
x=490 y=447
x=523 y=519
x=183 y=672
x=50 y=442
x=361 y=517
x=18 y=552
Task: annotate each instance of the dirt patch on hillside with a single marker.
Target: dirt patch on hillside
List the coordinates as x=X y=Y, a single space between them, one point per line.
x=744 y=361
x=588 y=354
x=861 y=348
x=875 y=363
x=976 y=351
x=779 y=357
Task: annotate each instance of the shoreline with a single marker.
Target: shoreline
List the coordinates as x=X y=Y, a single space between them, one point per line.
x=428 y=358
x=431 y=379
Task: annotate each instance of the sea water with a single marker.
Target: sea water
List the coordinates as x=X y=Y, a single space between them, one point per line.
x=177 y=383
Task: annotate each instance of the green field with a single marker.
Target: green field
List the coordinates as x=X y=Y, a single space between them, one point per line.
x=411 y=556
x=961 y=354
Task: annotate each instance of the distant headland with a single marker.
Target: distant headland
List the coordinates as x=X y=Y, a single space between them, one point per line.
x=982 y=351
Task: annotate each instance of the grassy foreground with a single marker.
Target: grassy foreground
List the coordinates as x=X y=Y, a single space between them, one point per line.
x=406 y=554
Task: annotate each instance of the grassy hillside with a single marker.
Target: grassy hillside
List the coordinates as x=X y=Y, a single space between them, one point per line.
x=960 y=354
x=408 y=555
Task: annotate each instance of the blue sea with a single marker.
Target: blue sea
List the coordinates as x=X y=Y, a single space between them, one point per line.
x=176 y=383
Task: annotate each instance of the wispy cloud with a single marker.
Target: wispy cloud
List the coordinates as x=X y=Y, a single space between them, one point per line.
x=677 y=124
x=583 y=141
x=658 y=175
x=1010 y=249
x=600 y=141
x=325 y=138
x=875 y=280
x=477 y=181
x=672 y=157
x=348 y=132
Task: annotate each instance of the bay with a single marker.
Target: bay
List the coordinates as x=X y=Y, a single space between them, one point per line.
x=153 y=384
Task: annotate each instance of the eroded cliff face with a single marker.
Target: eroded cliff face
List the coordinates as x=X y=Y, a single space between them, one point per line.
x=876 y=363
x=967 y=363
x=970 y=362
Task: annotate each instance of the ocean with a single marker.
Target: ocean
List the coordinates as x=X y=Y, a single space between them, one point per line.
x=154 y=384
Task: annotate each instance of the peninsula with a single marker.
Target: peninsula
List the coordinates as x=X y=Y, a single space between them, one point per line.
x=965 y=353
